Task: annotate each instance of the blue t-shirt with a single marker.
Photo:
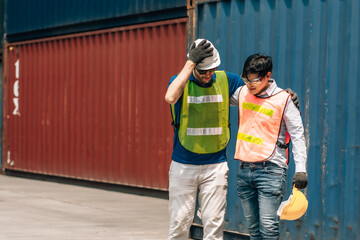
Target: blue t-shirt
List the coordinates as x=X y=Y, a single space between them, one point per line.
x=180 y=154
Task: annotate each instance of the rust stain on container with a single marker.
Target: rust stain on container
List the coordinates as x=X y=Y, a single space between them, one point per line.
x=91 y=105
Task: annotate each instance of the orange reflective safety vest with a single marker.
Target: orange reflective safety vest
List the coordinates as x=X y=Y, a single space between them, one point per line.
x=259 y=125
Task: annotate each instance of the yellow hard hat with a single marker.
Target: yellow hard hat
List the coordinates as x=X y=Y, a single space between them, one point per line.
x=294 y=207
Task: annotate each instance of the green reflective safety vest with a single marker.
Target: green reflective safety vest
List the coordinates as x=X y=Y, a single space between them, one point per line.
x=204 y=118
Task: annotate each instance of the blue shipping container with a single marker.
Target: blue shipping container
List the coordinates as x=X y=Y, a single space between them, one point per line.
x=40 y=18
x=315 y=47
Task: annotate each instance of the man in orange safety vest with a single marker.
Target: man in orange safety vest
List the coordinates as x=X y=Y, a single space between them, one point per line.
x=266 y=114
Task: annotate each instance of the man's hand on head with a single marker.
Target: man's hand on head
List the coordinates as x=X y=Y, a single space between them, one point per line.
x=200 y=52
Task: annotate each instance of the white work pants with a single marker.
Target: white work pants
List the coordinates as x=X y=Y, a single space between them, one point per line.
x=211 y=181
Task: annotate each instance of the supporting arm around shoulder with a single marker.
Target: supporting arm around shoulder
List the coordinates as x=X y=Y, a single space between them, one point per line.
x=294 y=97
x=177 y=86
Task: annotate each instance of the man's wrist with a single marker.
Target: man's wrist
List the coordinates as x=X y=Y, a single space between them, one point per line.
x=192 y=62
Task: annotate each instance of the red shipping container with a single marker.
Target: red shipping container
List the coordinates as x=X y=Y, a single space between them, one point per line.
x=91 y=106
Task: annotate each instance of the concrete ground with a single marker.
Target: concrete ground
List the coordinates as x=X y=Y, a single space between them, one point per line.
x=36 y=209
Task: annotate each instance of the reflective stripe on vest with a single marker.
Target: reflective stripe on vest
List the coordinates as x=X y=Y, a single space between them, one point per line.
x=259 y=125
x=204 y=118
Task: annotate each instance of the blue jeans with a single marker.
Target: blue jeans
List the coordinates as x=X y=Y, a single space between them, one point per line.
x=261 y=188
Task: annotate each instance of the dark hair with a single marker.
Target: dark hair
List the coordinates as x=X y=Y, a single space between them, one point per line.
x=257 y=63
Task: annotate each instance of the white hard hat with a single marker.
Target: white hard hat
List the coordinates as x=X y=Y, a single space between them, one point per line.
x=209 y=62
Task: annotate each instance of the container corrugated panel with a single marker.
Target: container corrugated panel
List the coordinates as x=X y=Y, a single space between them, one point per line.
x=91 y=106
x=315 y=47
x=1 y=105
x=2 y=18
x=37 y=18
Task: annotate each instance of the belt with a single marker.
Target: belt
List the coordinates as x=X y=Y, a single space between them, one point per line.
x=256 y=164
x=252 y=165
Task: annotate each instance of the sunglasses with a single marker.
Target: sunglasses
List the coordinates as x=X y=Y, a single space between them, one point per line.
x=202 y=72
x=246 y=80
